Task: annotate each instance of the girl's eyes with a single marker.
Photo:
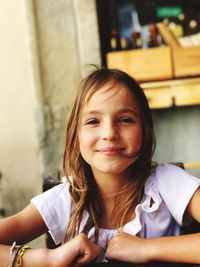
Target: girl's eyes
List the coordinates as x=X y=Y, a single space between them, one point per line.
x=126 y=120
x=92 y=122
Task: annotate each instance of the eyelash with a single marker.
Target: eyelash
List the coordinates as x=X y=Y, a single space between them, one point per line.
x=123 y=120
x=92 y=121
x=126 y=120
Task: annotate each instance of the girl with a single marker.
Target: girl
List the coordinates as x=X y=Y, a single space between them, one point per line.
x=116 y=204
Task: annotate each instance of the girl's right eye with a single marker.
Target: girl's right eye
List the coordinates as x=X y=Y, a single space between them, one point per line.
x=92 y=122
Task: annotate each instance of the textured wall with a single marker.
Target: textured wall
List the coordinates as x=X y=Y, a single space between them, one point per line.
x=68 y=40
x=59 y=67
x=19 y=148
x=44 y=46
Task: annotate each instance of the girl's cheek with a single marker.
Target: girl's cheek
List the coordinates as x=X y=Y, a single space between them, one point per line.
x=136 y=140
x=85 y=137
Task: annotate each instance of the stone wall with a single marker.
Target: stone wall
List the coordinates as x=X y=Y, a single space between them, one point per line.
x=19 y=147
x=45 y=47
x=68 y=41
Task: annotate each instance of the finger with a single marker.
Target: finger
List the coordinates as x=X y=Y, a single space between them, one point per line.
x=88 y=255
x=108 y=256
x=84 y=259
x=111 y=242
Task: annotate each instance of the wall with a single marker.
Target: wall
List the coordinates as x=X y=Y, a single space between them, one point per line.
x=45 y=47
x=65 y=29
x=19 y=151
x=177 y=133
x=44 y=54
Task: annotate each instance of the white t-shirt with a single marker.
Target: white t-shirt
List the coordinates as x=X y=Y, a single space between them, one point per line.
x=169 y=186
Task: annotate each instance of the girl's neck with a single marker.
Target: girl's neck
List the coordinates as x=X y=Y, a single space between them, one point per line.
x=112 y=189
x=109 y=194
x=110 y=185
x=108 y=203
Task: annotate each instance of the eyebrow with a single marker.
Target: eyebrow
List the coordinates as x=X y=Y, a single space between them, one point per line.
x=121 y=111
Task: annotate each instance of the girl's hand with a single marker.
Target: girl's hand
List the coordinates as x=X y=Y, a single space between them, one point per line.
x=128 y=248
x=78 y=251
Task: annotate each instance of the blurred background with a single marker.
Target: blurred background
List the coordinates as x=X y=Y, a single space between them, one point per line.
x=46 y=47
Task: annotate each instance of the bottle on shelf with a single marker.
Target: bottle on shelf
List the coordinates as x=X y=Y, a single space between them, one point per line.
x=153 y=35
x=193 y=26
x=125 y=43
x=136 y=40
x=115 y=40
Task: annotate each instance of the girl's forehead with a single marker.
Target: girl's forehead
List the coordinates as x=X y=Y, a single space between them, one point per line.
x=110 y=94
x=107 y=91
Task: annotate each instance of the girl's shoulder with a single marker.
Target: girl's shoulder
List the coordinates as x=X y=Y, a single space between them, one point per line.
x=167 y=177
x=173 y=175
x=174 y=185
x=54 y=205
x=56 y=193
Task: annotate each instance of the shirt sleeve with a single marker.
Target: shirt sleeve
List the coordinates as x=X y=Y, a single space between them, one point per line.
x=54 y=206
x=176 y=187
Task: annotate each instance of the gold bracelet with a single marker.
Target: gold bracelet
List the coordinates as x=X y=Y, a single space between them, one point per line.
x=18 y=261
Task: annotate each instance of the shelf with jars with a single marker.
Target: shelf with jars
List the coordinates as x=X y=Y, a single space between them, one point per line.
x=156 y=42
x=169 y=75
x=168 y=61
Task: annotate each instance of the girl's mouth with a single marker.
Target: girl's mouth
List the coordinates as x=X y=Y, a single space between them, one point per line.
x=110 y=151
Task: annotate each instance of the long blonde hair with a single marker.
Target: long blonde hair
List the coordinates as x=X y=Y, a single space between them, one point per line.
x=82 y=186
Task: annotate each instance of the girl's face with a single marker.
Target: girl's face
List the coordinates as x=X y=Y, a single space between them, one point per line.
x=110 y=134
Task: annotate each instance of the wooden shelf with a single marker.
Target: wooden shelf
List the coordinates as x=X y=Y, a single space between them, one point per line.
x=165 y=94
x=143 y=64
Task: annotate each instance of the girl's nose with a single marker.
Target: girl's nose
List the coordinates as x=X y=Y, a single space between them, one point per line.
x=109 y=131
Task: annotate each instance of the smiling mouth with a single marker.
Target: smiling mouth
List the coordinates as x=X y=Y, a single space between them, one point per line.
x=110 y=151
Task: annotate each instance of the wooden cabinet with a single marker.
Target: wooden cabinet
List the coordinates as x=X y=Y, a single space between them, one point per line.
x=168 y=73
x=172 y=70
x=143 y=64
x=165 y=94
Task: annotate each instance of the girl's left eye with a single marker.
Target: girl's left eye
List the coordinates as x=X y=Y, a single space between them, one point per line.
x=126 y=120
x=92 y=122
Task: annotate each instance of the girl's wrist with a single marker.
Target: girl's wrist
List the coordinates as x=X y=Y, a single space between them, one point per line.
x=149 y=250
x=18 y=258
x=37 y=257
x=155 y=249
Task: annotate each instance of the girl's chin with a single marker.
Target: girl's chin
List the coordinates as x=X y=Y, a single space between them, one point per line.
x=112 y=171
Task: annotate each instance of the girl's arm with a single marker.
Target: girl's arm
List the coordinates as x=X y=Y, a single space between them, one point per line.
x=185 y=248
x=78 y=251
x=23 y=227
x=193 y=207
x=27 y=225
